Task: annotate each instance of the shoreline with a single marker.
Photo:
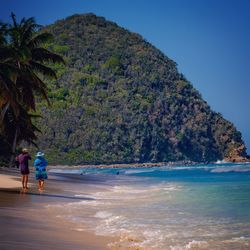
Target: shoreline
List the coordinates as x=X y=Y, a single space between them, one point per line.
x=73 y=211
x=135 y=165
x=42 y=228
x=142 y=165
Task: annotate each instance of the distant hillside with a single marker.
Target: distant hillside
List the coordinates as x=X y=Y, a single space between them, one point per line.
x=121 y=100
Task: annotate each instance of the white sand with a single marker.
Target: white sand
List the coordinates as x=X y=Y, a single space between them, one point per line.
x=8 y=181
x=51 y=233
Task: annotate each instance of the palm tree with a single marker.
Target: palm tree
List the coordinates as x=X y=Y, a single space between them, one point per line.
x=31 y=59
x=24 y=66
x=8 y=72
x=8 y=90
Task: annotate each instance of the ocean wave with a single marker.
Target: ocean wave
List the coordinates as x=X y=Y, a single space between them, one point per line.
x=240 y=168
x=145 y=193
x=238 y=239
x=139 y=171
x=194 y=244
x=103 y=214
x=86 y=196
x=138 y=239
x=65 y=171
x=220 y=162
x=109 y=224
x=79 y=204
x=156 y=214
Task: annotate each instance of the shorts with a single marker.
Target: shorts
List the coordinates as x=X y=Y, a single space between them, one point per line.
x=41 y=175
x=25 y=171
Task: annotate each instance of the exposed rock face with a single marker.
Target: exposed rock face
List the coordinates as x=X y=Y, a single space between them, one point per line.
x=237 y=154
x=121 y=100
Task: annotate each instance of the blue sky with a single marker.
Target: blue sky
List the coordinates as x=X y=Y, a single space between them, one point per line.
x=209 y=40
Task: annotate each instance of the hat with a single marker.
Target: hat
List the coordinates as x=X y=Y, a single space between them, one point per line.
x=25 y=150
x=39 y=154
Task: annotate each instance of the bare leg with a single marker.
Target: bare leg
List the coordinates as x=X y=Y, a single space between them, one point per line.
x=26 y=178
x=23 y=181
x=42 y=184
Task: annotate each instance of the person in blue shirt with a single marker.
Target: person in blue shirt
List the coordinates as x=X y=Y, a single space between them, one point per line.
x=40 y=165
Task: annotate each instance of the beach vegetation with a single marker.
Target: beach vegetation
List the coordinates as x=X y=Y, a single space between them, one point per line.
x=24 y=70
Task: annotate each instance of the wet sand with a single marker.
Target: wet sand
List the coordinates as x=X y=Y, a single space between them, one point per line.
x=27 y=224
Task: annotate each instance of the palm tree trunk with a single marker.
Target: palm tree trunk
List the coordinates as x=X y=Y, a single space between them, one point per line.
x=12 y=158
x=3 y=112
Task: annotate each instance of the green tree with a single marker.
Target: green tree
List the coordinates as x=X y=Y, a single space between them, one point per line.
x=24 y=67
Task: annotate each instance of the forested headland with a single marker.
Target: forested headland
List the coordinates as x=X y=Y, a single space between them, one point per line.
x=118 y=99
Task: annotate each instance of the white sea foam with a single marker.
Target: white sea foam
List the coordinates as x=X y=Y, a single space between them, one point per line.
x=239 y=168
x=109 y=224
x=66 y=171
x=194 y=244
x=103 y=214
x=85 y=196
x=220 y=162
x=238 y=239
x=152 y=216
x=133 y=193
x=138 y=171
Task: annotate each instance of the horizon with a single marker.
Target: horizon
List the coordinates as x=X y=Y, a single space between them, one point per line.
x=214 y=49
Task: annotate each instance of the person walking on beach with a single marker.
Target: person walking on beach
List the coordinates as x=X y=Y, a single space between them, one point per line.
x=23 y=160
x=40 y=165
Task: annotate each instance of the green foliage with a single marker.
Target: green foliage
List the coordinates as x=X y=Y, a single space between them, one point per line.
x=60 y=49
x=112 y=62
x=59 y=94
x=24 y=66
x=119 y=99
x=87 y=79
x=88 y=68
x=60 y=69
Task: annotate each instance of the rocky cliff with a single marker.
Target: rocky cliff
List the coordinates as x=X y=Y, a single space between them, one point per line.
x=120 y=100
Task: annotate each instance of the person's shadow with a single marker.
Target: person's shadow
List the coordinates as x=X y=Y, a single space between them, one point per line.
x=17 y=191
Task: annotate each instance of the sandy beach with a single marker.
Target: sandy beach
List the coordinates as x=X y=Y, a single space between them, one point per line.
x=27 y=224
x=204 y=207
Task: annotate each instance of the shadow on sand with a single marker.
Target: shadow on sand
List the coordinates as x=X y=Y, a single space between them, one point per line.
x=18 y=192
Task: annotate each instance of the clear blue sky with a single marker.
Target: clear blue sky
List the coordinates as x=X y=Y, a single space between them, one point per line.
x=209 y=40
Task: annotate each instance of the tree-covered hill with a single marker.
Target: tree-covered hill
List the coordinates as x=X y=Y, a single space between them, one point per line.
x=121 y=100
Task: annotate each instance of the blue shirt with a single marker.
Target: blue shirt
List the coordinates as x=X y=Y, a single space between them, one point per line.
x=40 y=164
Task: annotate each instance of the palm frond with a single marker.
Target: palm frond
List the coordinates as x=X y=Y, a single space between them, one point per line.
x=13 y=16
x=3 y=33
x=27 y=95
x=32 y=115
x=40 y=39
x=42 y=89
x=44 y=55
x=31 y=82
x=7 y=54
x=29 y=27
x=44 y=70
x=8 y=71
x=14 y=37
x=8 y=88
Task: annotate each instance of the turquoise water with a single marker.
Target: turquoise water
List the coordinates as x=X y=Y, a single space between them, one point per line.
x=195 y=207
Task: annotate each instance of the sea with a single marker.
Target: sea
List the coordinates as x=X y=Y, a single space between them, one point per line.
x=176 y=208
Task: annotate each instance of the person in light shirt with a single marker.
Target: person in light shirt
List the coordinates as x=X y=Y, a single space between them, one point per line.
x=23 y=160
